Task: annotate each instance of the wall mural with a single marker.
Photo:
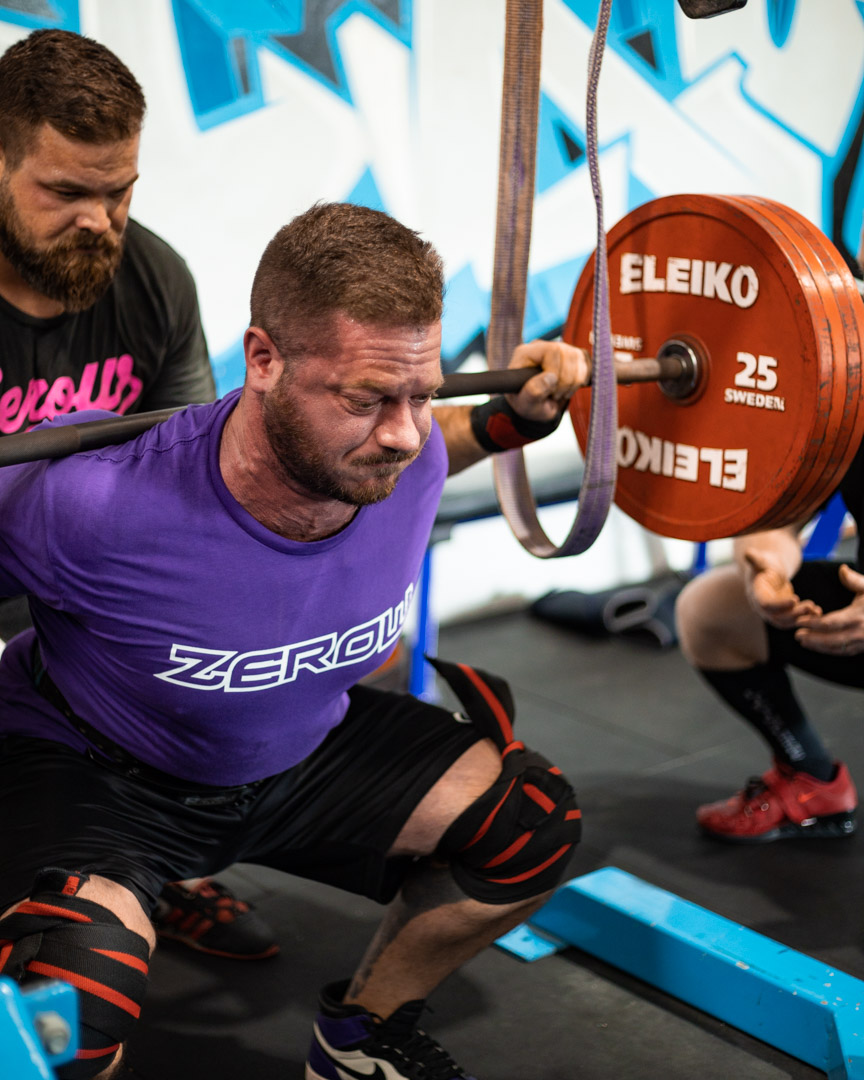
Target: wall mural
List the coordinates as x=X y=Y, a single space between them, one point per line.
x=259 y=107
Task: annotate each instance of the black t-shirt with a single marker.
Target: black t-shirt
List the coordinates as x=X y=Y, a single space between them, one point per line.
x=852 y=490
x=140 y=347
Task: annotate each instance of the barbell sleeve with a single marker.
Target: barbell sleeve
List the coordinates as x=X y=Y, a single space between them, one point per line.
x=65 y=439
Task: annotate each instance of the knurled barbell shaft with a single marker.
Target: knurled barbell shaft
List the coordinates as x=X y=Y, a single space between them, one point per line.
x=511 y=380
x=66 y=439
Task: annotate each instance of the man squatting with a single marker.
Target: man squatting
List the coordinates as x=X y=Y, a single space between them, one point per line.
x=206 y=600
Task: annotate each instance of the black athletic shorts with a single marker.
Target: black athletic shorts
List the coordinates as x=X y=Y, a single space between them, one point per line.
x=818 y=581
x=332 y=818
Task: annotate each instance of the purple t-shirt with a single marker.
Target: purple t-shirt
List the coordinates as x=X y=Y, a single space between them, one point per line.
x=181 y=627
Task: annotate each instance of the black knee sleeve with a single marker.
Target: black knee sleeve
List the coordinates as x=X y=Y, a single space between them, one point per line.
x=514 y=842
x=58 y=935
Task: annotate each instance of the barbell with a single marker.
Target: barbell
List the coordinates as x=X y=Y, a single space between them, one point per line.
x=63 y=440
x=736 y=327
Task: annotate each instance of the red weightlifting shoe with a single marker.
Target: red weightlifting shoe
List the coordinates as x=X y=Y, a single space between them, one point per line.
x=211 y=919
x=783 y=804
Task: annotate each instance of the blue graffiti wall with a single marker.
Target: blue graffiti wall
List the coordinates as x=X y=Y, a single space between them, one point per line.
x=259 y=107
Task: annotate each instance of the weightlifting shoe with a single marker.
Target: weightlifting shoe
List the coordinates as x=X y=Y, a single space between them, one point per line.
x=351 y=1043
x=210 y=918
x=783 y=804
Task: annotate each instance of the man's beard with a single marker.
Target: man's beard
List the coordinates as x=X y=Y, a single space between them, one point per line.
x=63 y=272
x=305 y=463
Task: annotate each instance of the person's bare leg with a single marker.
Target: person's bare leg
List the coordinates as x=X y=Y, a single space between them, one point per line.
x=432 y=928
x=717 y=627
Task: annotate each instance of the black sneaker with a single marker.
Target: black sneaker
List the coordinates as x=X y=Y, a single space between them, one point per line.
x=350 y=1042
x=210 y=918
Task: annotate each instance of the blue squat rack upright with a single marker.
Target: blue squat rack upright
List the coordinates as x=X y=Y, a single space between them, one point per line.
x=38 y=1029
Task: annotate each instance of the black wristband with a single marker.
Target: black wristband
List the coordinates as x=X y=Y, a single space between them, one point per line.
x=497 y=426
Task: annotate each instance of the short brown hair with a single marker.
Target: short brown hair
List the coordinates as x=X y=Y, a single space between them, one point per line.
x=72 y=83
x=337 y=257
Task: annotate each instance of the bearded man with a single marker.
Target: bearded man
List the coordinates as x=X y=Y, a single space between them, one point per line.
x=95 y=312
x=193 y=693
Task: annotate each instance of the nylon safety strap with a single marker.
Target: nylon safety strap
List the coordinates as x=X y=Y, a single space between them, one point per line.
x=519 y=111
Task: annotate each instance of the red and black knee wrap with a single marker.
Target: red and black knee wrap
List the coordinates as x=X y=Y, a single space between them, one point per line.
x=514 y=841
x=59 y=935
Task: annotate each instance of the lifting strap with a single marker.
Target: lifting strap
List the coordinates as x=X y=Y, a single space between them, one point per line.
x=519 y=110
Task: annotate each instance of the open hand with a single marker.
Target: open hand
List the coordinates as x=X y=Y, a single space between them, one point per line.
x=841 y=632
x=771 y=594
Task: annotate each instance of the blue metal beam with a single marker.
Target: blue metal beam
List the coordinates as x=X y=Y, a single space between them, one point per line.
x=783 y=997
x=38 y=1029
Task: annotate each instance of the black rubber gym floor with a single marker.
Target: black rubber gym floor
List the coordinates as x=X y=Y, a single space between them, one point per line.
x=644 y=743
